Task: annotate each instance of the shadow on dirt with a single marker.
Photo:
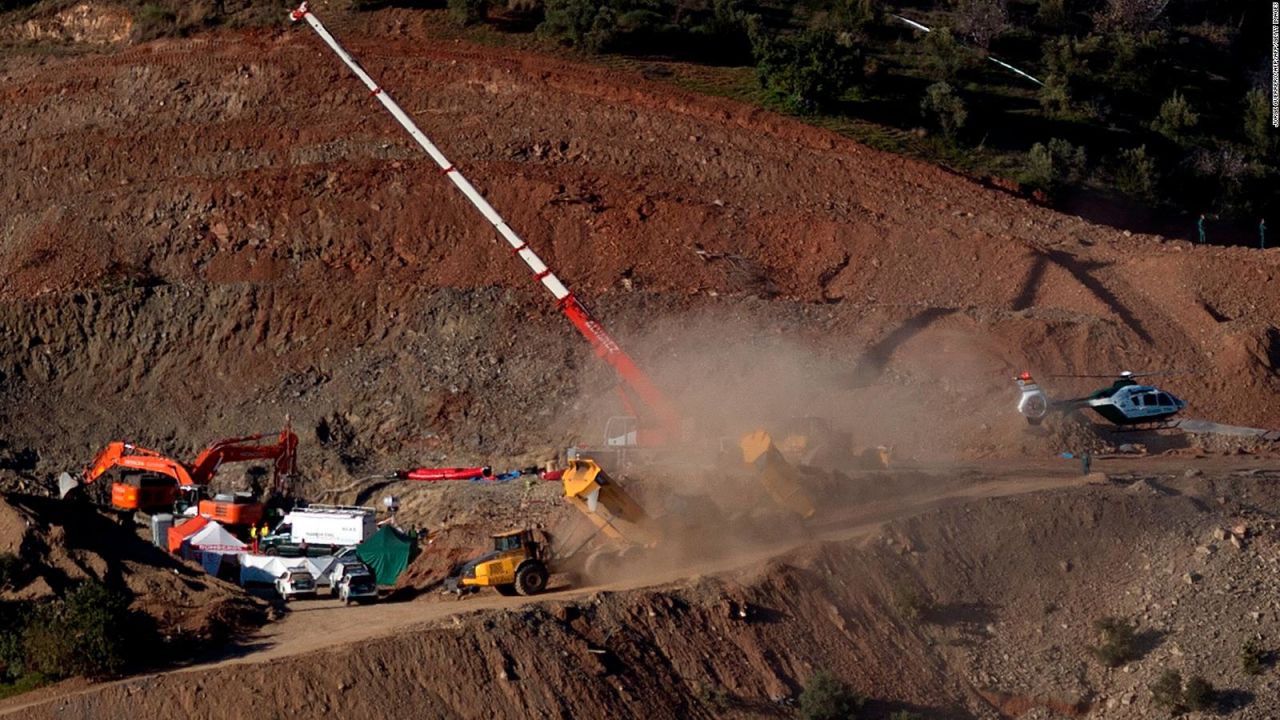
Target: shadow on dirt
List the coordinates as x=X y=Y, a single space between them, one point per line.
x=876 y=358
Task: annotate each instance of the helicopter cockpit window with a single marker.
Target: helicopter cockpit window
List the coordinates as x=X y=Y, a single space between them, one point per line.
x=1166 y=400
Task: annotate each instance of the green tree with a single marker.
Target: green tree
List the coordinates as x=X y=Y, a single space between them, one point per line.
x=1136 y=175
x=825 y=697
x=599 y=26
x=1257 y=123
x=944 y=58
x=1050 y=167
x=1176 y=118
x=91 y=632
x=945 y=106
x=469 y=12
x=808 y=72
x=1068 y=73
x=1052 y=14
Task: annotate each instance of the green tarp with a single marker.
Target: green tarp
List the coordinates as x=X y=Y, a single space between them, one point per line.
x=388 y=552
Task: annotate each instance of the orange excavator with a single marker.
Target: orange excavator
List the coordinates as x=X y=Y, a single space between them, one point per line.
x=152 y=481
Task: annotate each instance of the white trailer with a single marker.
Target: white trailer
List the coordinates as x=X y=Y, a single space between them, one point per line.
x=320 y=530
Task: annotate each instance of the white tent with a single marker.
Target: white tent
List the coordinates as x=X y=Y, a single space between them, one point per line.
x=266 y=568
x=209 y=545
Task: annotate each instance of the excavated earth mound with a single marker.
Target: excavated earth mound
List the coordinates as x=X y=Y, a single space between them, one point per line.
x=980 y=610
x=205 y=235
x=60 y=544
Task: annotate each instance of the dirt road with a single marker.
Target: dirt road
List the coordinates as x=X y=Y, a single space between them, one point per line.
x=321 y=624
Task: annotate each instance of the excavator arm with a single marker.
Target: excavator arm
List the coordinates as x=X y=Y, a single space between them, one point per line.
x=281 y=448
x=133 y=457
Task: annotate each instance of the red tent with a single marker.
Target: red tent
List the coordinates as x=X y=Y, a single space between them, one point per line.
x=178 y=533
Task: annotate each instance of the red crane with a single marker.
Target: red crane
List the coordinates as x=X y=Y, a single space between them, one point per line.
x=662 y=423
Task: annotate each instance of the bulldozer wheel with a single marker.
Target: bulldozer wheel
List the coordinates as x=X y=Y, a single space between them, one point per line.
x=531 y=578
x=508 y=590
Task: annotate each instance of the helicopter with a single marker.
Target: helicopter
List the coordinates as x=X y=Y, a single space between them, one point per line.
x=1124 y=402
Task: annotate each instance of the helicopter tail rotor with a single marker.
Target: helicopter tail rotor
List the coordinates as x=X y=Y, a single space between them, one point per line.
x=1033 y=404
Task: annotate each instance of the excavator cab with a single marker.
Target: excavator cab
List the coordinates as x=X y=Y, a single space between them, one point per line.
x=516 y=566
x=144 y=491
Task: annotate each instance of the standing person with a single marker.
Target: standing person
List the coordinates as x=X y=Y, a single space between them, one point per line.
x=1200 y=227
x=1262 y=234
x=1086 y=462
x=253 y=536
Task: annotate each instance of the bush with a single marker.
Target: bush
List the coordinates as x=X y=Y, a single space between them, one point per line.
x=1199 y=694
x=1169 y=692
x=1052 y=14
x=599 y=26
x=944 y=58
x=946 y=107
x=1257 y=123
x=1116 y=641
x=91 y=632
x=825 y=697
x=1176 y=118
x=981 y=20
x=10 y=570
x=807 y=72
x=152 y=21
x=1129 y=15
x=469 y=12
x=1051 y=167
x=911 y=605
x=1166 y=691
x=1252 y=658
x=1136 y=174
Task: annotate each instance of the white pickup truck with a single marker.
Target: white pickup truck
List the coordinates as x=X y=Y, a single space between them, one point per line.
x=296 y=582
x=353 y=582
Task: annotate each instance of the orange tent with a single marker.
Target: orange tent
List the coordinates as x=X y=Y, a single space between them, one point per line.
x=178 y=533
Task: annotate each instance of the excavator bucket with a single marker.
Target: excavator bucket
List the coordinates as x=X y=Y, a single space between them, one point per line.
x=66 y=484
x=778 y=476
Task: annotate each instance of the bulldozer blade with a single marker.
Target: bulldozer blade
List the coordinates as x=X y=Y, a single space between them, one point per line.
x=66 y=484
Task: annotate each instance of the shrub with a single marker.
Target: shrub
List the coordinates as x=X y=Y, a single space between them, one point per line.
x=1176 y=118
x=1136 y=174
x=853 y=15
x=1129 y=15
x=152 y=21
x=1257 y=122
x=1166 y=691
x=1169 y=692
x=1252 y=657
x=1051 y=167
x=1052 y=14
x=10 y=570
x=946 y=107
x=807 y=72
x=944 y=58
x=826 y=697
x=717 y=697
x=1198 y=694
x=910 y=603
x=599 y=26
x=981 y=20
x=469 y=12
x=91 y=632
x=1115 y=641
